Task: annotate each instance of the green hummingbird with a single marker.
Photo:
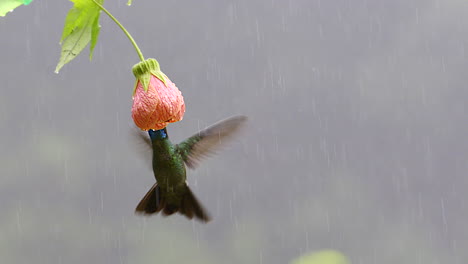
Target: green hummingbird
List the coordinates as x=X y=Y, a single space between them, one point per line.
x=171 y=193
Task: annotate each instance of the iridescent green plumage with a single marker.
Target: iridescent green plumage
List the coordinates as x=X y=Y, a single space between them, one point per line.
x=171 y=193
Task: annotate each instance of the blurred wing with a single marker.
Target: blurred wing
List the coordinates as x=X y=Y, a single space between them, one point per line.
x=209 y=140
x=143 y=143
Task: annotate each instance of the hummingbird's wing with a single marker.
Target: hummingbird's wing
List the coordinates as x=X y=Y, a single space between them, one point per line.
x=209 y=140
x=143 y=142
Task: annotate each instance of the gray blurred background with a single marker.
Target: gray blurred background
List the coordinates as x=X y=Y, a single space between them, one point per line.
x=356 y=140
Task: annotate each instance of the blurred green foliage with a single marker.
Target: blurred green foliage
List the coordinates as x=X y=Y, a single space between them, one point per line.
x=322 y=257
x=9 y=5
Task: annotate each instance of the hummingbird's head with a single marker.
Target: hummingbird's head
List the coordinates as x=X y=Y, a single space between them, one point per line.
x=157 y=134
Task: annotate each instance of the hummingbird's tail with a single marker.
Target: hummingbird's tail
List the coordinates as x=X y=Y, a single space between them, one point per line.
x=155 y=201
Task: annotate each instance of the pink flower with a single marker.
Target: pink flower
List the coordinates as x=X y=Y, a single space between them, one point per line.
x=158 y=105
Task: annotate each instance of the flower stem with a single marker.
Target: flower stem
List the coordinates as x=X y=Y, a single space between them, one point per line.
x=123 y=29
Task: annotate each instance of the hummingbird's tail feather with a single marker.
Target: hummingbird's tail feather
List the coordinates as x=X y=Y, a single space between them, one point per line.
x=154 y=202
x=190 y=207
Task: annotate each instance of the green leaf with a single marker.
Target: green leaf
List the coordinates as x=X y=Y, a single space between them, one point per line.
x=95 y=28
x=8 y=5
x=322 y=257
x=81 y=27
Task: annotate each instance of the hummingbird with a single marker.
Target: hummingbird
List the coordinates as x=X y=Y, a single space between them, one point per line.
x=171 y=193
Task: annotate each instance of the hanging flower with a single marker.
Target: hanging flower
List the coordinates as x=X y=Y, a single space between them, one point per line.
x=156 y=100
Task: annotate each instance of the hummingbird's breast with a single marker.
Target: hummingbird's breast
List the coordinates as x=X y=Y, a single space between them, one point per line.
x=169 y=168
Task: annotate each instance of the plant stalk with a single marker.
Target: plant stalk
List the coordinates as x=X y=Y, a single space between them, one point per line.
x=123 y=29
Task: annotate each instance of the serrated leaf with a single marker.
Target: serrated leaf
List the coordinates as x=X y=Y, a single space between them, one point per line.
x=9 y=5
x=81 y=27
x=95 y=29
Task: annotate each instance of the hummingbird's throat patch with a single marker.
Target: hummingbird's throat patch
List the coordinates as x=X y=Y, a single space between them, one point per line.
x=157 y=134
